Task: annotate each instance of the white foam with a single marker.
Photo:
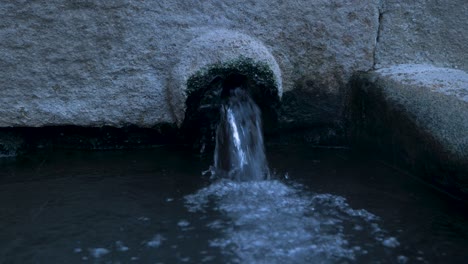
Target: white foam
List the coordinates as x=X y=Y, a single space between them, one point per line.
x=402 y=259
x=156 y=241
x=98 y=252
x=183 y=223
x=391 y=242
x=121 y=247
x=273 y=223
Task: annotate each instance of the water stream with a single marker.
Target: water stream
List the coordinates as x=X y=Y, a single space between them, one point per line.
x=239 y=153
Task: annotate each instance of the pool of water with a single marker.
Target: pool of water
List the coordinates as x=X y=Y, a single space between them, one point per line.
x=155 y=206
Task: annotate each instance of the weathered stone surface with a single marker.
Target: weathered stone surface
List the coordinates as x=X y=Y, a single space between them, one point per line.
x=418 y=114
x=423 y=31
x=114 y=62
x=218 y=48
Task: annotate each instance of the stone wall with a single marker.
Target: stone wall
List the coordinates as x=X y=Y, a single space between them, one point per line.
x=114 y=62
x=123 y=63
x=423 y=31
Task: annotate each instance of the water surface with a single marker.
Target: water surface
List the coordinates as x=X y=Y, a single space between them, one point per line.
x=154 y=206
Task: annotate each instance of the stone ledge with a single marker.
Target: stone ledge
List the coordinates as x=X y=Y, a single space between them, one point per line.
x=418 y=116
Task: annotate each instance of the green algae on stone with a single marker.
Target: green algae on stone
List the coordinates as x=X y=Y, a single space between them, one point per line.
x=258 y=72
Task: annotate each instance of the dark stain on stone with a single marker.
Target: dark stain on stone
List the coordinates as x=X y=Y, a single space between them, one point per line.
x=80 y=4
x=319 y=30
x=313 y=111
x=367 y=22
x=347 y=40
x=352 y=16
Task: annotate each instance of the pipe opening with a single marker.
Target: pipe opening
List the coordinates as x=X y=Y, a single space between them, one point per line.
x=233 y=81
x=207 y=90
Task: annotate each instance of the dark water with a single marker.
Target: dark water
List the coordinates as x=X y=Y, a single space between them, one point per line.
x=154 y=206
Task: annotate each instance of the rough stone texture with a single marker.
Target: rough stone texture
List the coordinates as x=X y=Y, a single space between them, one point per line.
x=418 y=114
x=216 y=47
x=111 y=62
x=423 y=31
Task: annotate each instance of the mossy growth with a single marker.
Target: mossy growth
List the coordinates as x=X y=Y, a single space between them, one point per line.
x=207 y=88
x=258 y=73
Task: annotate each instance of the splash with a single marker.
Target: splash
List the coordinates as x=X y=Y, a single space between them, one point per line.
x=271 y=222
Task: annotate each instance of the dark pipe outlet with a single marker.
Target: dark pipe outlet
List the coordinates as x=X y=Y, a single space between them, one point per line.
x=203 y=105
x=232 y=82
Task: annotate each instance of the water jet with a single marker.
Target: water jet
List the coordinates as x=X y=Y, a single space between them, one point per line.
x=224 y=115
x=239 y=152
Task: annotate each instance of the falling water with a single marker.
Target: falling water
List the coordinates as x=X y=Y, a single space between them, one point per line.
x=239 y=152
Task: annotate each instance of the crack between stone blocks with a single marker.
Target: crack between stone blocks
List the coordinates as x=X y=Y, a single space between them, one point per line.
x=377 y=35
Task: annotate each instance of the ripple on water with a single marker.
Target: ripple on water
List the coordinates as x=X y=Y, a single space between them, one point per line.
x=271 y=222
